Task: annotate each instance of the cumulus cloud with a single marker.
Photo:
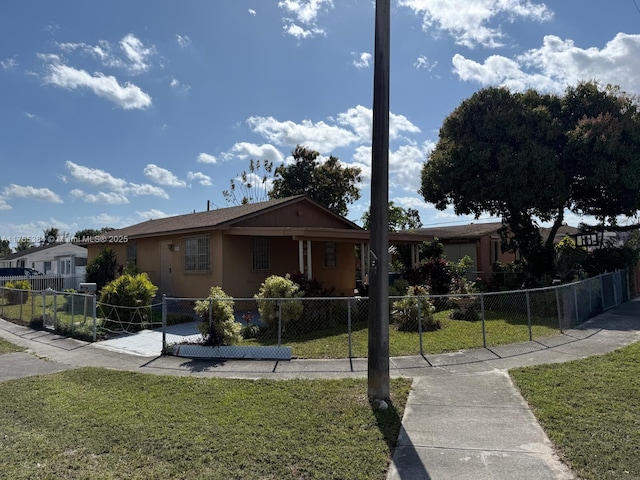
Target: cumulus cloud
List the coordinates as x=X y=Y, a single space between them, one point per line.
x=29 y=192
x=94 y=176
x=136 y=53
x=475 y=22
x=127 y=96
x=558 y=63
x=301 y=16
x=206 y=158
x=103 y=198
x=151 y=214
x=4 y=205
x=162 y=176
x=362 y=60
x=201 y=178
x=244 y=150
x=145 y=189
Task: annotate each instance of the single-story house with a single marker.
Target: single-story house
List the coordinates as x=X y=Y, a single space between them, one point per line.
x=54 y=259
x=482 y=243
x=236 y=248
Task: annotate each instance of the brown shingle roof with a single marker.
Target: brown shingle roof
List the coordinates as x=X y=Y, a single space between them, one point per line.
x=214 y=218
x=470 y=231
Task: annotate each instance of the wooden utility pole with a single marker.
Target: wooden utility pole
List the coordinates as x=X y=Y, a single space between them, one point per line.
x=378 y=366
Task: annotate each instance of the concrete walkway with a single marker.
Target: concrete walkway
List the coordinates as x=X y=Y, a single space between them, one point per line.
x=464 y=418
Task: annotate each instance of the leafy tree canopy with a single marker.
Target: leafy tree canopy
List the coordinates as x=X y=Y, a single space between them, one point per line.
x=5 y=248
x=92 y=232
x=399 y=218
x=528 y=157
x=328 y=183
x=23 y=244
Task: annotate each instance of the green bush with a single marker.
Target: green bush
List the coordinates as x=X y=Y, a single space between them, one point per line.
x=218 y=325
x=15 y=293
x=126 y=302
x=404 y=312
x=272 y=289
x=103 y=268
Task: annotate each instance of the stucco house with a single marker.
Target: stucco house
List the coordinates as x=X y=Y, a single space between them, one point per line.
x=54 y=259
x=481 y=242
x=237 y=247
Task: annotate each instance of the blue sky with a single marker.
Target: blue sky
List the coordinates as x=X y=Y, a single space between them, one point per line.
x=117 y=112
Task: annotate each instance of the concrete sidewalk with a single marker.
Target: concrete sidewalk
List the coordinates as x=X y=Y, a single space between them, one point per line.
x=464 y=418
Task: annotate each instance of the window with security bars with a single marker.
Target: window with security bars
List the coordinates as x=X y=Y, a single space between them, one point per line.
x=261 y=258
x=330 y=254
x=196 y=254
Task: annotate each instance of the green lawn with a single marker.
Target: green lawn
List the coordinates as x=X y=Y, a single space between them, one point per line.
x=591 y=411
x=454 y=335
x=7 y=347
x=94 y=423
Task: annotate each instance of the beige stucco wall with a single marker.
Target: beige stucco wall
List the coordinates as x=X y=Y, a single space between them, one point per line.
x=231 y=264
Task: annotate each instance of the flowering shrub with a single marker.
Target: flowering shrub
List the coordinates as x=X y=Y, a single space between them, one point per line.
x=218 y=325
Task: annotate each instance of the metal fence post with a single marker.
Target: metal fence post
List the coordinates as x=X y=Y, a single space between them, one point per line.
x=279 y=323
x=210 y=316
x=559 y=307
x=55 y=310
x=484 y=327
x=601 y=291
x=44 y=307
x=529 y=315
x=420 y=326
x=94 y=313
x=164 y=322
x=349 y=327
x=615 y=281
x=575 y=302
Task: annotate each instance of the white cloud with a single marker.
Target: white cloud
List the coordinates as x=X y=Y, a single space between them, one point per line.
x=201 y=178
x=183 y=41
x=405 y=165
x=475 y=22
x=362 y=60
x=559 y=63
x=9 y=63
x=179 y=86
x=360 y=120
x=317 y=136
x=27 y=191
x=136 y=53
x=304 y=12
x=4 y=205
x=252 y=12
x=145 y=189
x=104 y=198
x=162 y=176
x=245 y=150
x=422 y=62
x=151 y=214
x=106 y=220
x=95 y=176
x=206 y=158
x=127 y=96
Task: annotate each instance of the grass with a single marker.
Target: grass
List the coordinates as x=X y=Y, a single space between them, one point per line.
x=454 y=335
x=7 y=347
x=94 y=423
x=590 y=410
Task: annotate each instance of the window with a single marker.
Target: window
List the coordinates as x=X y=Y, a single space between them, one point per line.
x=330 y=254
x=196 y=254
x=47 y=267
x=495 y=251
x=261 y=258
x=132 y=253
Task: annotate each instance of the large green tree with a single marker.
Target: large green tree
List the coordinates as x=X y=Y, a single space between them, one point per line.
x=399 y=218
x=529 y=157
x=329 y=183
x=5 y=248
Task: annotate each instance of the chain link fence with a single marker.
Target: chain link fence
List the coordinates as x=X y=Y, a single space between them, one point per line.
x=335 y=327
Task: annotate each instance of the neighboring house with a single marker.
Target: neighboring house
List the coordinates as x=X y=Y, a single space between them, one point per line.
x=482 y=243
x=236 y=248
x=55 y=259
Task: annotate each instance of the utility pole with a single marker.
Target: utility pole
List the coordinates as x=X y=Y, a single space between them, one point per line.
x=378 y=357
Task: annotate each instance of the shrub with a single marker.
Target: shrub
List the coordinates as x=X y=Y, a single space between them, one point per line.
x=15 y=293
x=435 y=273
x=127 y=301
x=311 y=287
x=218 y=325
x=272 y=289
x=404 y=312
x=102 y=269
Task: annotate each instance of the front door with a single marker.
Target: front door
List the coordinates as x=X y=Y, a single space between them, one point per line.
x=166 y=279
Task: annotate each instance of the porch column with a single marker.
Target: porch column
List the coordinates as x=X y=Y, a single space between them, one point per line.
x=363 y=257
x=301 y=256
x=309 y=272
